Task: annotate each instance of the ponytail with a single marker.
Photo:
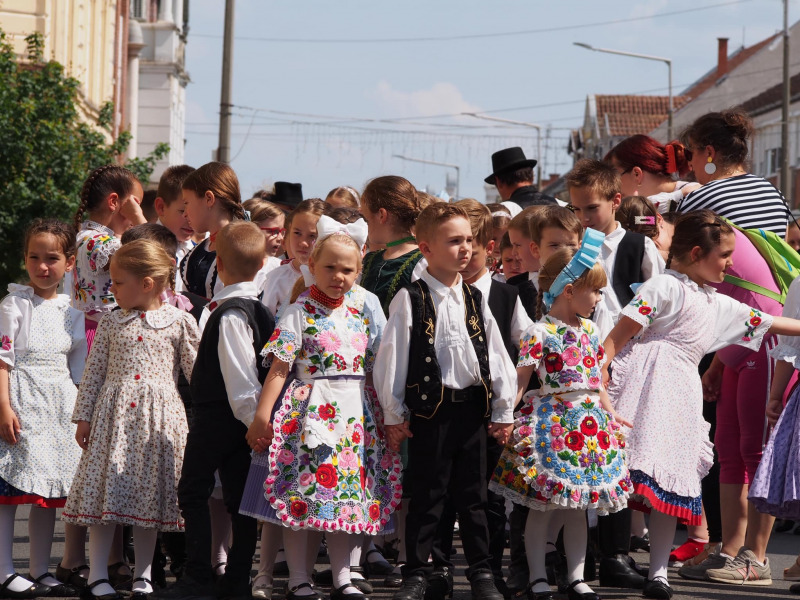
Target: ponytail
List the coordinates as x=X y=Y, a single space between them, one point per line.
x=540 y=310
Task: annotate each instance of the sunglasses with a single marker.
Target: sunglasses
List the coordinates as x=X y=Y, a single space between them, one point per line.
x=273 y=231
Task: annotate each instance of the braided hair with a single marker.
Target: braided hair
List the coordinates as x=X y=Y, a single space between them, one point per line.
x=698 y=228
x=105 y=180
x=219 y=179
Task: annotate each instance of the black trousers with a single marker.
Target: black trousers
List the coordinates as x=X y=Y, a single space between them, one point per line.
x=216 y=442
x=447 y=456
x=495 y=518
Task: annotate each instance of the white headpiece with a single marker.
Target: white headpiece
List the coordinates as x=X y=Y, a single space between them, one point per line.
x=358 y=230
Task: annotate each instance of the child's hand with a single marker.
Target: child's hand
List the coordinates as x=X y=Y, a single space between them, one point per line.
x=82 y=434
x=712 y=380
x=262 y=445
x=9 y=425
x=605 y=377
x=774 y=410
x=260 y=430
x=397 y=434
x=619 y=419
x=501 y=432
x=130 y=209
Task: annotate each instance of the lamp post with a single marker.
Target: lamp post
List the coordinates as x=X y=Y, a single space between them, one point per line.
x=646 y=57
x=438 y=164
x=538 y=129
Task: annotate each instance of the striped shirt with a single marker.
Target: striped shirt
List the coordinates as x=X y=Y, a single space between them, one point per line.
x=750 y=202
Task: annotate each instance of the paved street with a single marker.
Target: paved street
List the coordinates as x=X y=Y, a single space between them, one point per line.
x=782 y=551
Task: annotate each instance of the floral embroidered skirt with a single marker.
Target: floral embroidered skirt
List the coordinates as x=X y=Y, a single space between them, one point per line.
x=565 y=452
x=353 y=486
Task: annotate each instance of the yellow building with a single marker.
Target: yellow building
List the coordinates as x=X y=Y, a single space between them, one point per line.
x=88 y=37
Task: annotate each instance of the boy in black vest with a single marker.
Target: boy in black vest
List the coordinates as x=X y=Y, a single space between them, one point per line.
x=441 y=373
x=595 y=192
x=519 y=234
x=226 y=385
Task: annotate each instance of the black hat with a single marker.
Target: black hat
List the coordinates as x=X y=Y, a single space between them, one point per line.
x=288 y=194
x=509 y=159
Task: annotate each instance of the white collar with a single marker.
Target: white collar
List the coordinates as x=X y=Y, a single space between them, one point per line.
x=244 y=289
x=164 y=316
x=615 y=235
x=691 y=283
x=27 y=292
x=437 y=286
x=484 y=283
x=89 y=224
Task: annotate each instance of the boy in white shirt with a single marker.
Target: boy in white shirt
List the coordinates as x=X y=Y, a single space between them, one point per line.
x=442 y=372
x=169 y=208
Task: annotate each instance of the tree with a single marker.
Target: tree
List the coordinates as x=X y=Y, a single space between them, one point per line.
x=47 y=150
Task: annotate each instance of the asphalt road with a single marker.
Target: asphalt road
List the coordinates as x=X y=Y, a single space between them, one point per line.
x=783 y=550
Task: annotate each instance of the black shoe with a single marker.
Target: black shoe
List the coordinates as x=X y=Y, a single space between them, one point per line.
x=501 y=586
x=795 y=588
x=531 y=595
x=483 y=588
x=393 y=580
x=573 y=595
x=121 y=576
x=338 y=594
x=657 y=588
x=616 y=571
x=363 y=586
x=227 y=588
x=186 y=588
x=86 y=593
x=517 y=582
x=379 y=567
x=412 y=588
x=640 y=543
x=556 y=569
x=35 y=590
x=72 y=576
x=138 y=594
x=292 y=593
x=62 y=590
x=324 y=577
x=440 y=584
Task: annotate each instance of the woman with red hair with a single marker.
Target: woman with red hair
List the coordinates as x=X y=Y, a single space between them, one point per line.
x=648 y=168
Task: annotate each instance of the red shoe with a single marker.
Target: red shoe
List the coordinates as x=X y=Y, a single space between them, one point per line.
x=681 y=554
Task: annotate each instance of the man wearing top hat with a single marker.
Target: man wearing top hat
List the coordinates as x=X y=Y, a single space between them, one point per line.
x=512 y=175
x=287 y=195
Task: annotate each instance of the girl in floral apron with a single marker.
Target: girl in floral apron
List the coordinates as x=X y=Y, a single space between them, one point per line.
x=566 y=452
x=329 y=469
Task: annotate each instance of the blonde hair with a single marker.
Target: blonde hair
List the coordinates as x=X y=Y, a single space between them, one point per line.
x=261 y=210
x=522 y=222
x=242 y=248
x=480 y=220
x=144 y=258
x=345 y=193
x=340 y=239
x=594 y=278
x=432 y=218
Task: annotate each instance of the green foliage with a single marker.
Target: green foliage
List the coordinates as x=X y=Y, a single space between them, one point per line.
x=47 y=149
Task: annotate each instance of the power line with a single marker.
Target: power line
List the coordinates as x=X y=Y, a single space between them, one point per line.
x=472 y=36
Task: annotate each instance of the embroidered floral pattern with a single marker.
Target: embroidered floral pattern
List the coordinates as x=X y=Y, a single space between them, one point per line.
x=6 y=342
x=752 y=324
x=644 y=308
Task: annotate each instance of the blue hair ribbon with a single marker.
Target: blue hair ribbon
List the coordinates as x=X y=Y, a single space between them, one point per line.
x=584 y=259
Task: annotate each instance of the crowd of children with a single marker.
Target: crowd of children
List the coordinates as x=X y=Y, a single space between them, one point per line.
x=381 y=363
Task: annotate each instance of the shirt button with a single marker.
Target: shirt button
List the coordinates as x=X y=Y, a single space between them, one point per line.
x=137 y=377
x=141 y=316
x=140 y=338
x=427 y=359
x=424 y=396
x=426 y=378
x=480 y=338
x=133 y=404
x=430 y=340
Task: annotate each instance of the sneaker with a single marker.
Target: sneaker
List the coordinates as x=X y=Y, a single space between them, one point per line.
x=744 y=570
x=715 y=560
x=792 y=573
x=700 y=557
x=689 y=549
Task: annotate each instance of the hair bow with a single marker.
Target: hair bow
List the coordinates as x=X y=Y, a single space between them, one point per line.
x=358 y=230
x=176 y=300
x=584 y=259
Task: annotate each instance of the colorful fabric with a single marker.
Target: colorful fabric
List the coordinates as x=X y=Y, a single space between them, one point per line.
x=566 y=451
x=92 y=282
x=647 y=495
x=11 y=495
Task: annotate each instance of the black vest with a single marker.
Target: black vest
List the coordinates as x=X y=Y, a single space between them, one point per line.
x=424 y=388
x=208 y=386
x=528 y=293
x=628 y=266
x=502 y=302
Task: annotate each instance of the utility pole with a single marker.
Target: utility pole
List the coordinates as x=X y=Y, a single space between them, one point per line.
x=224 y=148
x=786 y=184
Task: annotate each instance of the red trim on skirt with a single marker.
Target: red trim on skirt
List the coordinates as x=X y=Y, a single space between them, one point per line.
x=647 y=501
x=33 y=499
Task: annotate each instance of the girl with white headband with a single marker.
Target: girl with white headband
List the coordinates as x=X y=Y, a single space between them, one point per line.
x=326 y=467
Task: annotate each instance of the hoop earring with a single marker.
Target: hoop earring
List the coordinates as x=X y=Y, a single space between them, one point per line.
x=710 y=168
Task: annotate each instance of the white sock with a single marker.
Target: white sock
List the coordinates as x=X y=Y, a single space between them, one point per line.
x=74 y=547
x=20 y=584
x=662 y=534
x=313 y=542
x=356 y=541
x=116 y=554
x=536 y=547
x=220 y=533
x=638 y=525
x=296 y=558
x=144 y=545
x=339 y=546
x=41 y=524
x=575 y=536
x=271 y=541
x=554 y=527
x=101 y=538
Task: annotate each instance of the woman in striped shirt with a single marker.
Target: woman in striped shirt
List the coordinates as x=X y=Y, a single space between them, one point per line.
x=716 y=147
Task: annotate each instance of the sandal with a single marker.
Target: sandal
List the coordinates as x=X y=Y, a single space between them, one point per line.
x=35 y=589
x=72 y=576
x=139 y=594
x=86 y=593
x=60 y=590
x=262 y=586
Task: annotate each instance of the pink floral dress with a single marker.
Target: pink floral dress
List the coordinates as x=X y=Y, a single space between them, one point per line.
x=566 y=451
x=328 y=467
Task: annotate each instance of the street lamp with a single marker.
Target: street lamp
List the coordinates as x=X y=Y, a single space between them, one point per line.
x=538 y=129
x=646 y=57
x=438 y=164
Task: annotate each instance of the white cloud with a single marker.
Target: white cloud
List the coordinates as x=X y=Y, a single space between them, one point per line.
x=649 y=8
x=441 y=98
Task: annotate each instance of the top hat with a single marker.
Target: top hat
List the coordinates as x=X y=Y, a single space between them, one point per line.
x=509 y=159
x=288 y=194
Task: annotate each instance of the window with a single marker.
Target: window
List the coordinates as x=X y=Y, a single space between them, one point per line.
x=772 y=161
x=139 y=10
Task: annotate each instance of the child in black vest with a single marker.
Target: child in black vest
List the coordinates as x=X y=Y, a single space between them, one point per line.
x=595 y=192
x=441 y=372
x=226 y=384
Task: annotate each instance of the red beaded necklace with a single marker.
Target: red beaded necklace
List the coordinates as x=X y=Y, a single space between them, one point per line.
x=322 y=298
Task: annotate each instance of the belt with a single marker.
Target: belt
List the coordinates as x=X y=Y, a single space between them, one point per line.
x=458 y=396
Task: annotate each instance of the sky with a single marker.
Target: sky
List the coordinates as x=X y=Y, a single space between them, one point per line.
x=328 y=93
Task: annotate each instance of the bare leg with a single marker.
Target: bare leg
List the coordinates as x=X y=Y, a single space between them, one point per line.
x=733 y=506
x=759 y=528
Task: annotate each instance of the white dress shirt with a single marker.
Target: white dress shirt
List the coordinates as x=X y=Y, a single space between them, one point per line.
x=520 y=321
x=237 y=361
x=277 y=287
x=609 y=308
x=454 y=351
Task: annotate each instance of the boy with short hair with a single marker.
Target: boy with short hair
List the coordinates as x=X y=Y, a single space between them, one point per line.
x=441 y=372
x=168 y=205
x=595 y=191
x=226 y=385
x=555 y=228
x=519 y=234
